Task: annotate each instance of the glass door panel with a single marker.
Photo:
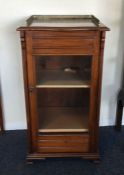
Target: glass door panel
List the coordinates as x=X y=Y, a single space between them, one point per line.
x=63 y=110
x=63 y=71
x=63 y=93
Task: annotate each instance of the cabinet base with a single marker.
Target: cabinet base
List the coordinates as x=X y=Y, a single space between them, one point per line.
x=38 y=156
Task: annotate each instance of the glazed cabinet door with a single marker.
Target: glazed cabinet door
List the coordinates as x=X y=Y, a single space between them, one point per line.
x=62 y=83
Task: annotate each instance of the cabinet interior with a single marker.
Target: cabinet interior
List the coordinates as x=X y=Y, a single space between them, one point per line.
x=63 y=86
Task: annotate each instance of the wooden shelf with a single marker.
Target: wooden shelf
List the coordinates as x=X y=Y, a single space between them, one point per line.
x=61 y=79
x=61 y=119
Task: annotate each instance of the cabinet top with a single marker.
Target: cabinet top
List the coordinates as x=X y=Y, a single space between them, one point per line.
x=73 y=22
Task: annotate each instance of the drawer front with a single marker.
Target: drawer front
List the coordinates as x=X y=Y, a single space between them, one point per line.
x=63 y=34
x=63 y=143
x=63 y=42
x=63 y=46
x=63 y=51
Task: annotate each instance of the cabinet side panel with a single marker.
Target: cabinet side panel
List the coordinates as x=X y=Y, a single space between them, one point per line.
x=100 y=66
x=93 y=121
x=99 y=56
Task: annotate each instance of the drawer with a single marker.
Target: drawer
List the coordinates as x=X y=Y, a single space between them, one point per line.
x=63 y=51
x=62 y=42
x=62 y=45
x=61 y=143
x=51 y=42
x=64 y=34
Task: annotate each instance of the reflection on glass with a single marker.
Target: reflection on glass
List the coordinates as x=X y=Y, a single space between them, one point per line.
x=63 y=71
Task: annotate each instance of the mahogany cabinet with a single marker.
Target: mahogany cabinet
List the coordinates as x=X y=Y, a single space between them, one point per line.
x=62 y=63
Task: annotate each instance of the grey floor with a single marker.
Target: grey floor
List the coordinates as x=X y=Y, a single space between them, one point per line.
x=13 y=148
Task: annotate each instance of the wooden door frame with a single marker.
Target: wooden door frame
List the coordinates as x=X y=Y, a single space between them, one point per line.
x=31 y=91
x=93 y=95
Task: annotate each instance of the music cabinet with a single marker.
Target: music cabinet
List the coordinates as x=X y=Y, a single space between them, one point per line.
x=62 y=63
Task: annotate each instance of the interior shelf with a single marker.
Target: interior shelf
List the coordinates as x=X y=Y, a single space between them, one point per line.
x=63 y=119
x=61 y=79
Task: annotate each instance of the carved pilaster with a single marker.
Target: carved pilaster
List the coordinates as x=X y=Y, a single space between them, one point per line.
x=102 y=43
x=24 y=64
